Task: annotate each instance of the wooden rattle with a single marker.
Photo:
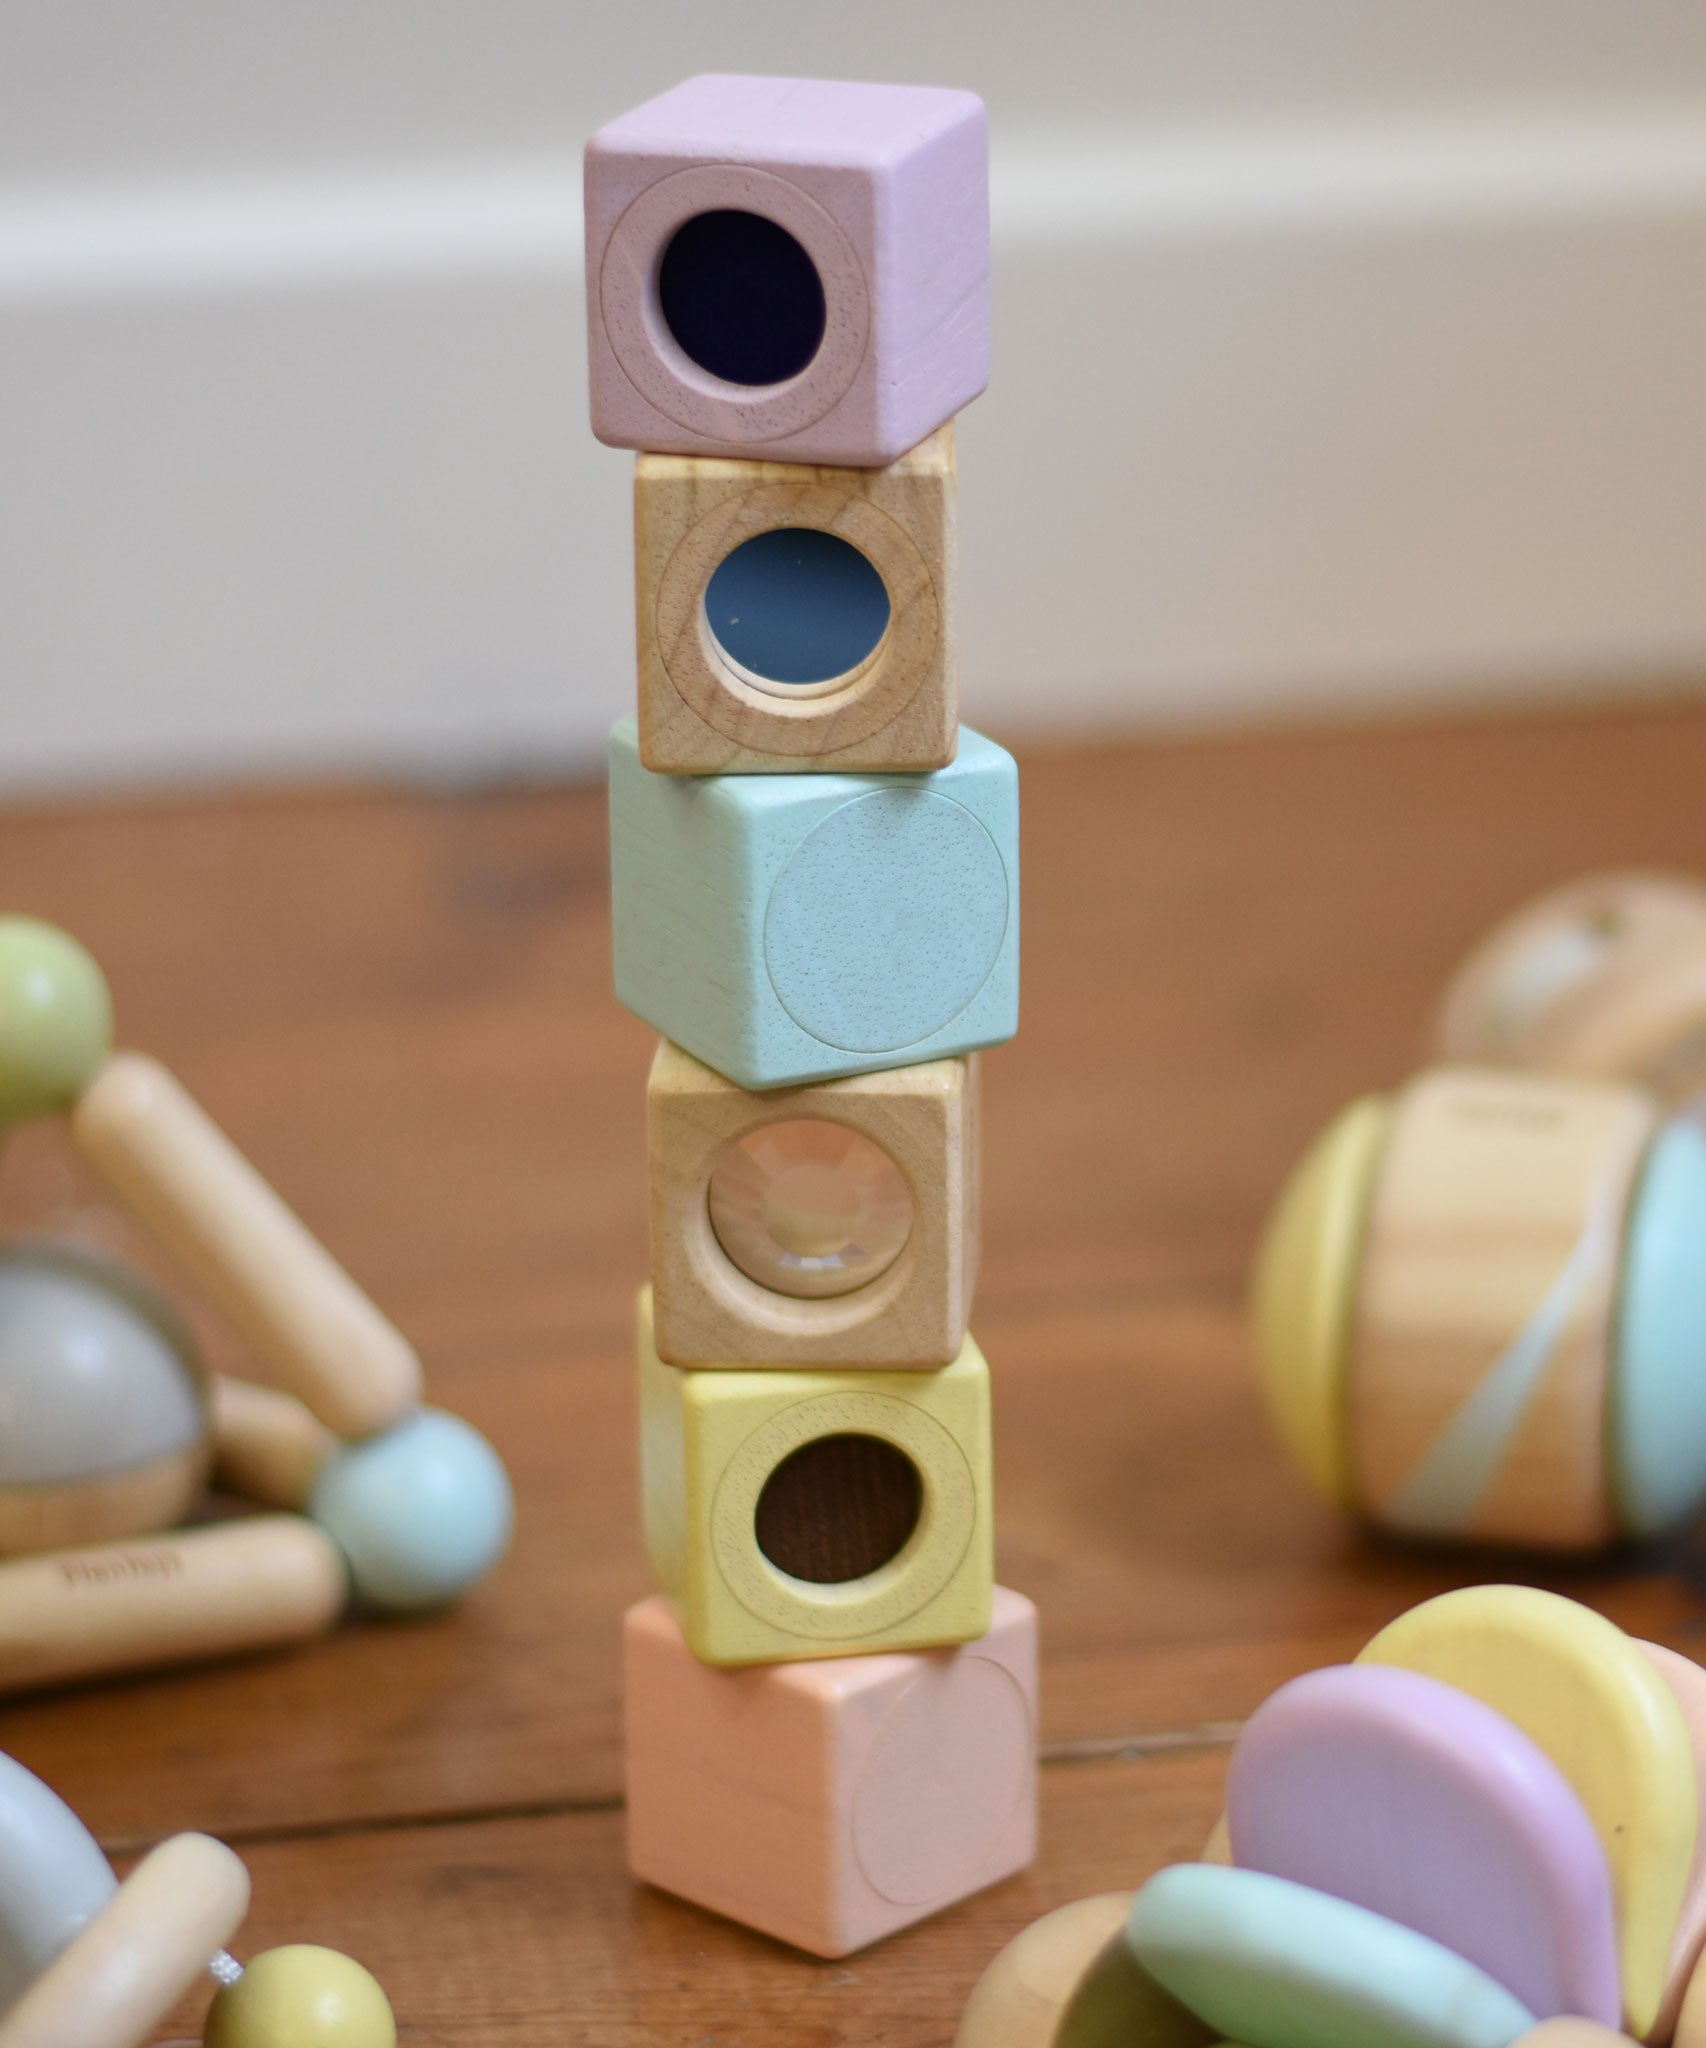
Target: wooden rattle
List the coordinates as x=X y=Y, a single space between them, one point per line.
x=1605 y=978
x=108 y=1423
x=1486 y=1831
x=86 y=1962
x=1478 y=1311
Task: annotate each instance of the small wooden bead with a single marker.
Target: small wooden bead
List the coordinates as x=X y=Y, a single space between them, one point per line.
x=56 y=1019
x=421 y=1513
x=301 y=1997
x=132 y=1963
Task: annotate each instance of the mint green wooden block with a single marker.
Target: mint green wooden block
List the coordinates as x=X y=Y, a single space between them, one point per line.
x=1276 y=1965
x=790 y=928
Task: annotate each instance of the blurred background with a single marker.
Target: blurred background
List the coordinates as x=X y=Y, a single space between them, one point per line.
x=1350 y=359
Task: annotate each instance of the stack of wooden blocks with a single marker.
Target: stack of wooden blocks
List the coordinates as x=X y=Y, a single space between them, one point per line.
x=831 y=1715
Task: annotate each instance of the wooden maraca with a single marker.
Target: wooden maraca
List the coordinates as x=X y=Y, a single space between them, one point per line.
x=86 y=1962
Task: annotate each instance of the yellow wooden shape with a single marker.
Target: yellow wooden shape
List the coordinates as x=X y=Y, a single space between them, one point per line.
x=711 y=1442
x=1305 y=1286
x=1583 y=1690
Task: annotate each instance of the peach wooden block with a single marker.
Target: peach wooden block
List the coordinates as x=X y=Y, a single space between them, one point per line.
x=808 y=1188
x=207 y=1592
x=1570 y=2032
x=313 y=1327
x=818 y=1514
x=267 y=1446
x=1687 y=1683
x=1070 y=1980
x=1606 y=977
x=700 y=712
x=828 y=1804
x=1483 y=1325
x=1581 y=1689
x=138 y=1957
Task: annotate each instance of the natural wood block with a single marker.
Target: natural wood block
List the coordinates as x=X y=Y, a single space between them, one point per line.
x=1605 y=978
x=787 y=264
x=701 y=711
x=830 y=1804
x=818 y=1514
x=1483 y=1328
x=830 y=1225
x=793 y=928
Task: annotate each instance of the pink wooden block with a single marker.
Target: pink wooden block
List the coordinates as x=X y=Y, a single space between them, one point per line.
x=1404 y=1795
x=1687 y=1683
x=831 y=1803
x=885 y=187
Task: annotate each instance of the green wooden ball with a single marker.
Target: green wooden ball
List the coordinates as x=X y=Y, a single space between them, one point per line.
x=56 y=1019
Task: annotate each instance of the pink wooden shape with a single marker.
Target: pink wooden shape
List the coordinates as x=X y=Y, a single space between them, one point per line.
x=1687 y=1683
x=830 y=1803
x=1404 y=1795
x=887 y=189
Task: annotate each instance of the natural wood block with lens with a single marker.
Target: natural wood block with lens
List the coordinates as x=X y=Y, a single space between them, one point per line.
x=790 y=618
x=830 y=1225
x=817 y=1514
x=830 y=1804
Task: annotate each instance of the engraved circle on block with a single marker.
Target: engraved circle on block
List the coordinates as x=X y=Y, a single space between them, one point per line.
x=850 y=707
x=886 y=921
x=943 y=1780
x=654 y=361
x=897 y=1590
x=809 y=1208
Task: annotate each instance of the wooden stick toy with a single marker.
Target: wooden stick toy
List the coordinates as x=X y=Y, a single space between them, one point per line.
x=1484 y=1832
x=831 y=1717
x=89 y=1963
x=110 y=1427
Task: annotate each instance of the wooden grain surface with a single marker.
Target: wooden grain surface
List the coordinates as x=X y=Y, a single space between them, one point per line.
x=398 y=1005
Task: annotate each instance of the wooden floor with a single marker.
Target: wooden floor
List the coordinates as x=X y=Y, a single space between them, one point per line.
x=399 y=1005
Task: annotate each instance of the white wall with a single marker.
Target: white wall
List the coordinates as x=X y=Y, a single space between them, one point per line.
x=1346 y=355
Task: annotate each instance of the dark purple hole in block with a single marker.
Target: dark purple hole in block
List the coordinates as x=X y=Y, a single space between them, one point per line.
x=741 y=297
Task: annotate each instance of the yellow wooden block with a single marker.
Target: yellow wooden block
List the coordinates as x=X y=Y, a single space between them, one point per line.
x=829 y=1225
x=702 y=712
x=1583 y=1690
x=1306 y=1276
x=817 y=1514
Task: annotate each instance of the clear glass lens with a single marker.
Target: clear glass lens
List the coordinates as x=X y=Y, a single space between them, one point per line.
x=809 y=1208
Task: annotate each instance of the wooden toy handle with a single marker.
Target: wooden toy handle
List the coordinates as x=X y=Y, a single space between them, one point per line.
x=266 y=1445
x=313 y=1327
x=167 y=1599
x=125 y=1971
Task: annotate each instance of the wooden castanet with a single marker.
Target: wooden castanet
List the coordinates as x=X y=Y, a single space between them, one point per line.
x=120 y=1977
x=215 y=1591
x=317 y=1333
x=894 y=708
x=829 y=1804
x=1605 y=978
x=833 y=1225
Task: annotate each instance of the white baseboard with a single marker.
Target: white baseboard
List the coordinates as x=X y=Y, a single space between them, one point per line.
x=1284 y=420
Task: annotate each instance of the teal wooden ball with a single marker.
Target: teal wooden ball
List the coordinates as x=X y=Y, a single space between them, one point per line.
x=421 y=1512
